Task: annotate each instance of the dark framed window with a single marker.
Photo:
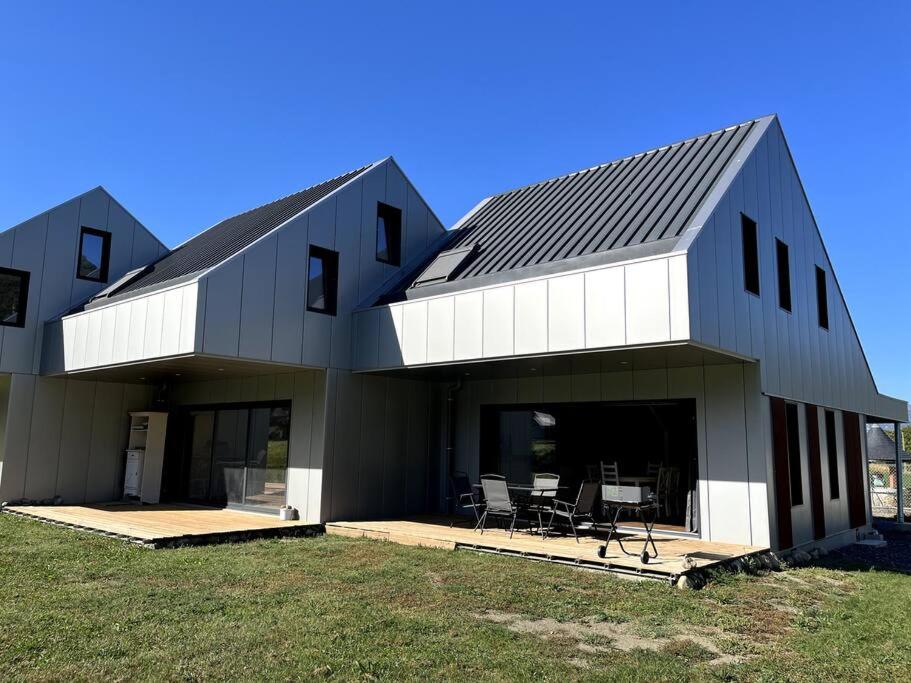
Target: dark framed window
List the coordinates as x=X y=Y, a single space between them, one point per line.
x=750 y=254
x=94 y=255
x=322 y=280
x=13 y=296
x=388 y=234
x=832 y=452
x=784 y=275
x=793 y=426
x=822 y=298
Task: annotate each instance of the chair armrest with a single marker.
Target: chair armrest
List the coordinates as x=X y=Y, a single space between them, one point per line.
x=469 y=496
x=568 y=507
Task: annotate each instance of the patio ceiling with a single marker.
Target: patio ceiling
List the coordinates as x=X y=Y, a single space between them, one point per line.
x=617 y=360
x=177 y=369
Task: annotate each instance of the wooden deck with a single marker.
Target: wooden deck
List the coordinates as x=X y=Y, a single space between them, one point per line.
x=436 y=532
x=164 y=525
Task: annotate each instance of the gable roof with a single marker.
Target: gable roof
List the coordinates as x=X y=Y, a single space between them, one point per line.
x=640 y=204
x=225 y=239
x=881 y=447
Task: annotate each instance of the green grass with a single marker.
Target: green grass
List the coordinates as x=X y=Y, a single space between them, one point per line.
x=76 y=606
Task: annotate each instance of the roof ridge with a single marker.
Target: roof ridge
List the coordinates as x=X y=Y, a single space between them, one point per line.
x=596 y=167
x=297 y=192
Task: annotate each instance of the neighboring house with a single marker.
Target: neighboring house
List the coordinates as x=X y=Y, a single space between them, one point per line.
x=339 y=351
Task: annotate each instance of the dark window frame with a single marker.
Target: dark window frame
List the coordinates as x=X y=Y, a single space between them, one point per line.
x=749 y=232
x=795 y=453
x=822 y=299
x=329 y=260
x=24 y=279
x=832 y=455
x=392 y=233
x=783 y=270
x=105 y=254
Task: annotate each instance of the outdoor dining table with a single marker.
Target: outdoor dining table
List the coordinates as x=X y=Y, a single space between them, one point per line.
x=637 y=480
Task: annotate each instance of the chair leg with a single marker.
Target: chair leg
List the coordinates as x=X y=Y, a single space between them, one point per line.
x=550 y=524
x=512 y=527
x=483 y=521
x=573 y=527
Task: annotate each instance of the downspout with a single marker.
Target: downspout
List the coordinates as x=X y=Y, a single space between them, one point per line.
x=449 y=431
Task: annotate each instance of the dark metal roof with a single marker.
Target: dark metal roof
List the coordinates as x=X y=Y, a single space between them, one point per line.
x=634 y=201
x=880 y=447
x=228 y=237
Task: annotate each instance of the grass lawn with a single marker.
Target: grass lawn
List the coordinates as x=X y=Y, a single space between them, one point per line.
x=76 y=606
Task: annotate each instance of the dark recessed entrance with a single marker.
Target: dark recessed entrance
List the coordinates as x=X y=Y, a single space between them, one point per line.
x=234 y=455
x=572 y=439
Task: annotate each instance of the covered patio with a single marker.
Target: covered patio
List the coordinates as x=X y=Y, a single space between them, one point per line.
x=676 y=556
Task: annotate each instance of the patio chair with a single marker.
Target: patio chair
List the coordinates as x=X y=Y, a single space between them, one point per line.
x=499 y=503
x=581 y=510
x=610 y=473
x=540 y=499
x=463 y=495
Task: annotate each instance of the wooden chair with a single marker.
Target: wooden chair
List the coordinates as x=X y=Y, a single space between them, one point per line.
x=610 y=473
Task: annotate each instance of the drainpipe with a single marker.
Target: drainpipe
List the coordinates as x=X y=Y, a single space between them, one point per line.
x=899 y=488
x=449 y=430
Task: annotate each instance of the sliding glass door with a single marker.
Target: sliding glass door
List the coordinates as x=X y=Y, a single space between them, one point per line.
x=239 y=455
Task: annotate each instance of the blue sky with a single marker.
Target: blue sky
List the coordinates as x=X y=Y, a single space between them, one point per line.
x=189 y=112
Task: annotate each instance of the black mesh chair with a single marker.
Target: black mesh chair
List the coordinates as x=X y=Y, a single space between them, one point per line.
x=498 y=502
x=580 y=511
x=464 y=496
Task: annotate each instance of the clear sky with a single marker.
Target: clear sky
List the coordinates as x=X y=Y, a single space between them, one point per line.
x=189 y=112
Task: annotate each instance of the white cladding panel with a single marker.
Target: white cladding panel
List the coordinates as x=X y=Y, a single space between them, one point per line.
x=154 y=326
x=566 y=312
x=634 y=303
x=799 y=359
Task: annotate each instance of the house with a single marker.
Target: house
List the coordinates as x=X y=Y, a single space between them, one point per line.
x=339 y=351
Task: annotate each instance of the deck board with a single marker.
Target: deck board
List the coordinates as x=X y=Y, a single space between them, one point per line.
x=436 y=532
x=156 y=523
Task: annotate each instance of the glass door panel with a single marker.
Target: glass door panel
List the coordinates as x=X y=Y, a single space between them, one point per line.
x=201 y=424
x=267 y=456
x=229 y=456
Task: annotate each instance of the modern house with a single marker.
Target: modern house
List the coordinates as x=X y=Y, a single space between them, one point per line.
x=339 y=351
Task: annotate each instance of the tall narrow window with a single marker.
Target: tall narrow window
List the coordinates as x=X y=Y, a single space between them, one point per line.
x=793 y=424
x=322 y=280
x=822 y=298
x=94 y=254
x=832 y=452
x=13 y=297
x=750 y=254
x=388 y=234
x=784 y=275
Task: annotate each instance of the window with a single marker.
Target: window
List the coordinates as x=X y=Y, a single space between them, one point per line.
x=750 y=255
x=793 y=425
x=388 y=234
x=322 y=280
x=94 y=254
x=13 y=297
x=784 y=275
x=822 y=299
x=446 y=265
x=832 y=450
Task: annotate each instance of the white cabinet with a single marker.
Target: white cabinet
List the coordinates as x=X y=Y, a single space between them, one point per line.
x=145 y=456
